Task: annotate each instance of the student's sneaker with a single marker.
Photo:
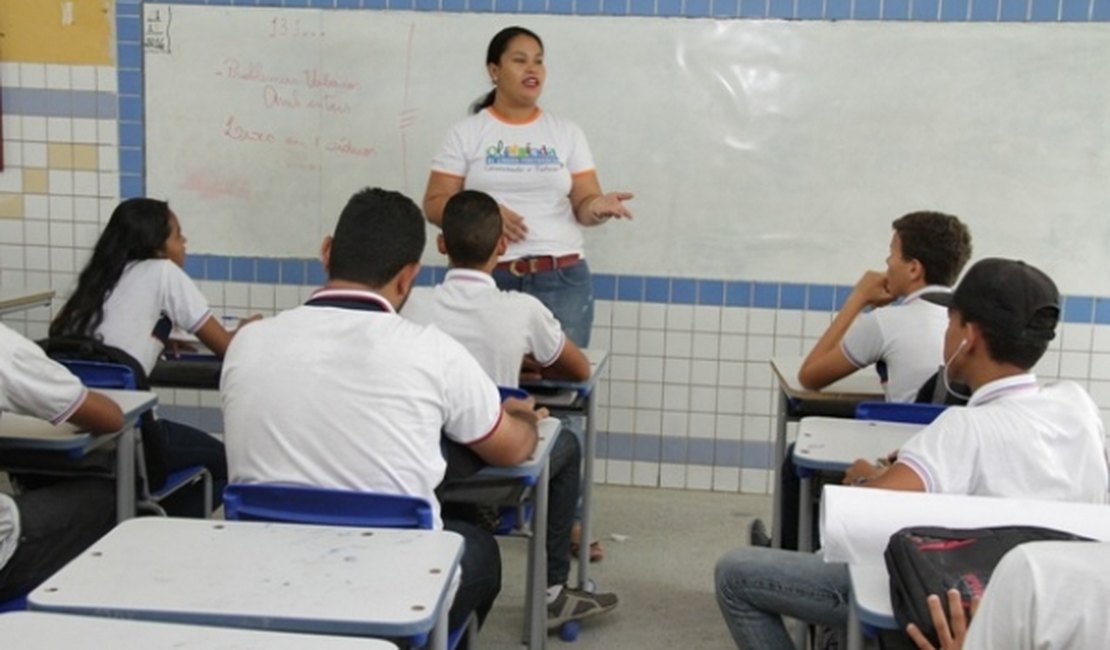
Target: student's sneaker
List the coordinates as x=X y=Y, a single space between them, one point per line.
x=576 y=604
x=757 y=534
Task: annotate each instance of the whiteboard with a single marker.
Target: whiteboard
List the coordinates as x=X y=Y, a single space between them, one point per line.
x=756 y=149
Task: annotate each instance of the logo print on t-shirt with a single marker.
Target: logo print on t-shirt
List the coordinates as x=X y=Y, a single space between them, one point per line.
x=522 y=155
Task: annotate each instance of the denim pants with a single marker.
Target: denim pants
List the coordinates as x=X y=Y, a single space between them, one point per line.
x=567 y=292
x=58 y=522
x=481 y=573
x=756 y=587
x=186 y=446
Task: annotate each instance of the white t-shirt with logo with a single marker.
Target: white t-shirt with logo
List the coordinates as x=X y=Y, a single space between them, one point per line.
x=147 y=290
x=527 y=167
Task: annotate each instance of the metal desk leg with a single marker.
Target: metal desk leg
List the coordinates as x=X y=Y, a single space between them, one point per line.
x=438 y=640
x=855 y=628
x=535 y=615
x=779 y=455
x=805 y=514
x=125 y=473
x=587 y=491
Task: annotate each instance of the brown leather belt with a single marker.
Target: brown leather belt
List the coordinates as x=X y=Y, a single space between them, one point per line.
x=523 y=266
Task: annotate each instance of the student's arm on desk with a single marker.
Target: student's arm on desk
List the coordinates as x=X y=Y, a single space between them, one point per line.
x=213 y=335
x=571 y=364
x=98 y=414
x=826 y=362
x=895 y=477
x=515 y=437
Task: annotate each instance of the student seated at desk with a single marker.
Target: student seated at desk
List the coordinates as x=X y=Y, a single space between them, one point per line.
x=343 y=393
x=904 y=341
x=1042 y=596
x=1014 y=439
x=129 y=296
x=501 y=328
x=43 y=529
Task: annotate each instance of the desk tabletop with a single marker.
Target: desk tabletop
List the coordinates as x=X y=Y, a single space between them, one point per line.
x=42 y=631
x=24 y=432
x=291 y=577
x=859 y=386
x=835 y=443
x=871 y=595
x=548 y=431
x=563 y=393
x=12 y=300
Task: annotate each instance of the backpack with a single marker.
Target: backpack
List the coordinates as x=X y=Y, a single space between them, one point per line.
x=85 y=348
x=931 y=560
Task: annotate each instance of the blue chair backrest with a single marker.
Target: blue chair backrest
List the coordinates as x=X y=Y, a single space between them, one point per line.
x=515 y=393
x=101 y=374
x=899 y=412
x=324 y=506
x=17 y=604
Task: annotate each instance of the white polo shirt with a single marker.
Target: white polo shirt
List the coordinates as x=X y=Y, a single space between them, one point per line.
x=1045 y=595
x=907 y=337
x=147 y=290
x=346 y=398
x=30 y=384
x=497 y=327
x=1015 y=439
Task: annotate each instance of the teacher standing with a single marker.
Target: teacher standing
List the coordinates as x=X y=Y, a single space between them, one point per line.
x=540 y=170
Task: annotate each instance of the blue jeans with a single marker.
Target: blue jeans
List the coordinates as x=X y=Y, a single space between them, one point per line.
x=567 y=292
x=756 y=587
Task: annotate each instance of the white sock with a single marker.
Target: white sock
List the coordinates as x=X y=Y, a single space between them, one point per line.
x=553 y=593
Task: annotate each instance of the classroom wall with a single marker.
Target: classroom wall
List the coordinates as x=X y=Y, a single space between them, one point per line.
x=689 y=401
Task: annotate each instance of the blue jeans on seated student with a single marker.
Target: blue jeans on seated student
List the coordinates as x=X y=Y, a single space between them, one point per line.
x=187 y=446
x=481 y=573
x=567 y=292
x=756 y=587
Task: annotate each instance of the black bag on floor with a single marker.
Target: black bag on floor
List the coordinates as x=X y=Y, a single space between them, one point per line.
x=925 y=561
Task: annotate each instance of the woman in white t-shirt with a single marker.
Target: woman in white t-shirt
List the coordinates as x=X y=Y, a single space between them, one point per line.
x=540 y=170
x=130 y=295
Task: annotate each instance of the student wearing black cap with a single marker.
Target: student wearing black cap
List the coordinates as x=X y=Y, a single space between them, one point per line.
x=1015 y=439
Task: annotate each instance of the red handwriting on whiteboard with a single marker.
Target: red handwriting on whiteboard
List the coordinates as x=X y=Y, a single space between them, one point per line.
x=236 y=70
x=329 y=104
x=315 y=78
x=345 y=146
x=236 y=131
x=273 y=97
x=209 y=186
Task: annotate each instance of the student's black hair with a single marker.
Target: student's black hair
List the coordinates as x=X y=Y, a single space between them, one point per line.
x=379 y=233
x=471 y=228
x=941 y=242
x=1006 y=347
x=137 y=230
x=497 y=46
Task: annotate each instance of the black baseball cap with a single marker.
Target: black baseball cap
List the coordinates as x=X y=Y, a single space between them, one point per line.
x=1008 y=295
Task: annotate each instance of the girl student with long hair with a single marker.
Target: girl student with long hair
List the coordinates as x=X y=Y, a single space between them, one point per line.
x=540 y=170
x=130 y=295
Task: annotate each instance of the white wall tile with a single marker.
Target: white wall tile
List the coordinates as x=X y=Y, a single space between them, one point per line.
x=754 y=481
x=676 y=397
x=706 y=346
x=649 y=369
x=1076 y=336
x=788 y=322
x=734 y=320
x=699 y=477
x=61 y=182
x=648 y=396
x=652 y=343
x=703 y=399
x=645 y=474
x=1075 y=365
x=618 y=472
x=730 y=400
x=761 y=321
x=57 y=77
x=626 y=314
x=11 y=179
x=653 y=316
x=730 y=374
x=707 y=318
x=603 y=313
x=703 y=372
x=59 y=129
x=9 y=74
x=86 y=183
x=729 y=427
x=34 y=154
x=675 y=423
x=679 y=344
x=680 y=317
x=82 y=77
x=702 y=425
x=624 y=341
x=672 y=476
x=32 y=75
x=622 y=366
x=34 y=130
x=726 y=479
x=760 y=348
x=757 y=428
x=85 y=130
x=107 y=79
x=622 y=420
x=649 y=419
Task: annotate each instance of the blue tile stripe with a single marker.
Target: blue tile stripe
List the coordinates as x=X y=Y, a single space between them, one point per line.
x=619 y=288
x=44 y=102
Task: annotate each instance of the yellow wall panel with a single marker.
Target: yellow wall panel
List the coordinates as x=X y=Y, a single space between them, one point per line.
x=85 y=157
x=11 y=205
x=35 y=181
x=59 y=155
x=57 y=31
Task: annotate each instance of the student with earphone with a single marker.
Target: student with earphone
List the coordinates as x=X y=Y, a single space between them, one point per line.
x=1016 y=439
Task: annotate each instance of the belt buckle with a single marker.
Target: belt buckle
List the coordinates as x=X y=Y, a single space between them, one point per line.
x=515 y=269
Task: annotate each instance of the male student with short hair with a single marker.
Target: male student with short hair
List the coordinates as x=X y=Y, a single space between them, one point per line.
x=44 y=528
x=501 y=329
x=1015 y=438
x=343 y=393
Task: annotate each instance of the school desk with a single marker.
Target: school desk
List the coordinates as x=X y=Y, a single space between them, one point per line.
x=38 y=437
x=383 y=583
x=43 y=631
x=832 y=445
x=578 y=398
x=838 y=399
x=13 y=300
x=870 y=609
x=534 y=472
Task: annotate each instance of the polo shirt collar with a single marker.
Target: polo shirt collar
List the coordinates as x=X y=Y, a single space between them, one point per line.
x=469 y=276
x=998 y=388
x=932 y=288
x=355 y=295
